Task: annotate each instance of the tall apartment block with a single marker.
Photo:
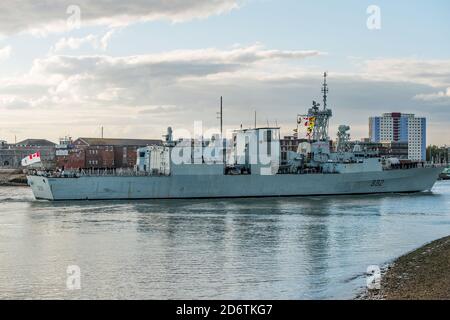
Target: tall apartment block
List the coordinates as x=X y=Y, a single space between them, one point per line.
x=401 y=127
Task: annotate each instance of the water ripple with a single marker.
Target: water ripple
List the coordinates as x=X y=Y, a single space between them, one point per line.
x=282 y=248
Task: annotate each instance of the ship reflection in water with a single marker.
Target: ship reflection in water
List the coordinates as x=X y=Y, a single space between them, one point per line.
x=275 y=248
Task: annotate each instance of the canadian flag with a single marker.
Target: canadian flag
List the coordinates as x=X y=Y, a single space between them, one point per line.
x=31 y=159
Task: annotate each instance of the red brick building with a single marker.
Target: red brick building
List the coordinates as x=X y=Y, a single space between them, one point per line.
x=98 y=153
x=289 y=143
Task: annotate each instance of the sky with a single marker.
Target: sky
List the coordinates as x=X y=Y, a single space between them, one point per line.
x=137 y=67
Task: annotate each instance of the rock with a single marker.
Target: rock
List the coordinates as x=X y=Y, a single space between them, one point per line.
x=421 y=274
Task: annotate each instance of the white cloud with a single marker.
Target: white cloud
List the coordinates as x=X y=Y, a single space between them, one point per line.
x=104 y=41
x=13 y=102
x=64 y=81
x=5 y=53
x=165 y=65
x=95 y=41
x=141 y=95
x=75 y=43
x=435 y=73
x=111 y=86
x=438 y=96
x=45 y=16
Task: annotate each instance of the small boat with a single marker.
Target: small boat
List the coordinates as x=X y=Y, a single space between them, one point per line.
x=445 y=175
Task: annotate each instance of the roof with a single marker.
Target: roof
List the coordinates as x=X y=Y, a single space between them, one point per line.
x=257 y=129
x=118 y=142
x=36 y=142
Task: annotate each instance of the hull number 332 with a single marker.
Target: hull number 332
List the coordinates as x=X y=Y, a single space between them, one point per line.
x=377 y=183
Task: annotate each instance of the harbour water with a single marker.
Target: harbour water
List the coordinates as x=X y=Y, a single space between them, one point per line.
x=274 y=248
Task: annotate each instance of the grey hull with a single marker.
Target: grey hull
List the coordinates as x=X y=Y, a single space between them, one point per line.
x=204 y=186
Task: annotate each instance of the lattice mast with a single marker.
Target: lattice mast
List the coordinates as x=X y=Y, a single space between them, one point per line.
x=322 y=116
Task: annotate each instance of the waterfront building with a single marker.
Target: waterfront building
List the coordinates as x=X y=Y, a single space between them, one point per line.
x=401 y=128
x=100 y=153
x=289 y=143
x=391 y=149
x=11 y=155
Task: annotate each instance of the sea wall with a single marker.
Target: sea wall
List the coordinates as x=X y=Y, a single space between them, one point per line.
x=12 y=177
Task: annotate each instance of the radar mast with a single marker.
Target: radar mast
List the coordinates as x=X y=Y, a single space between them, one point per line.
x=322 y=117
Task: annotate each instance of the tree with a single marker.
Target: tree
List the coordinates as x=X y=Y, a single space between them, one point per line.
x=437 y=154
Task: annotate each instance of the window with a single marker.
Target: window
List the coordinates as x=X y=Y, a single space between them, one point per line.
x=269 y=142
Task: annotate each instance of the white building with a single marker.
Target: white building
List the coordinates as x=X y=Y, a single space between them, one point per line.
x=401 y=127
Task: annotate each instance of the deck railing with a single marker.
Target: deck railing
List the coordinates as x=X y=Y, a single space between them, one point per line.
x=94 y=173
x=131 y=172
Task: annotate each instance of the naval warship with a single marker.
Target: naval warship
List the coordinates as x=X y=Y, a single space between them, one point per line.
x=247 y=165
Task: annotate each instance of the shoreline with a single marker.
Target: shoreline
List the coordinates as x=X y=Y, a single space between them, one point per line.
x=12 y=178
x=13 y=184
x=422 y=274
